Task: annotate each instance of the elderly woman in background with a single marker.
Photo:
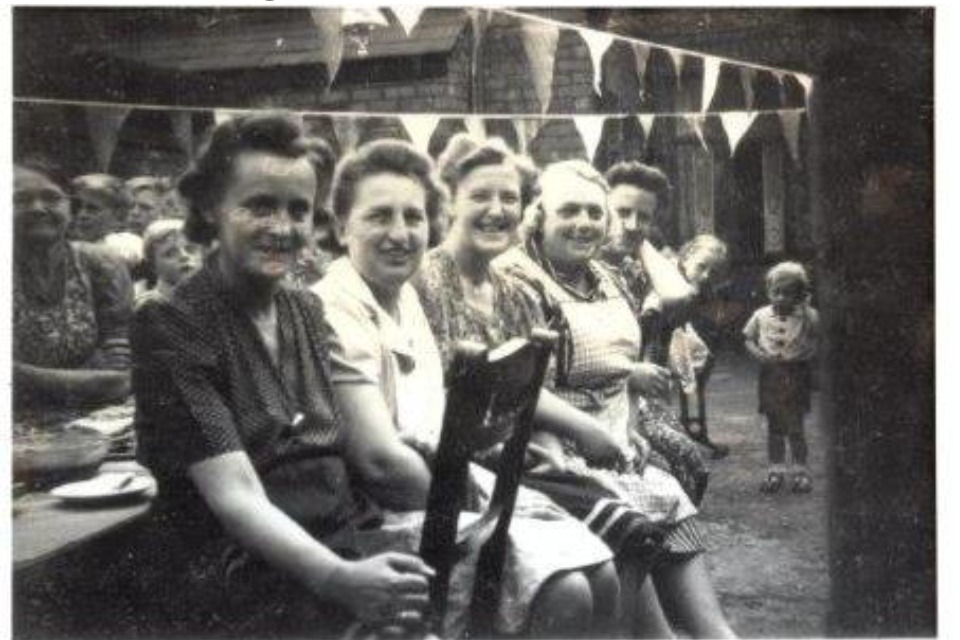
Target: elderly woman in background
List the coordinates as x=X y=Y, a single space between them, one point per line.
x=269 y=489
x=71 y=304
x=598 y=371
x=559 y=583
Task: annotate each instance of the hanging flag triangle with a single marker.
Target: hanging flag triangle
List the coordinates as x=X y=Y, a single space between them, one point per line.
x=598 y=43
x=104 y=124
x=222 y=115
x=347 y=131
x=527 y=128
x=641 y=54
x=735 y=125
x=646 y=123
x=408 y=17
x=747 y=77
x=329 y=24
x=590 y=129
x=353 y=16
x=475 y=127
x=711 y=74
x=420 y=127
x=540 y=45
x=807 y=83
x=678 y=57
x=696 y=125
x=790 y=121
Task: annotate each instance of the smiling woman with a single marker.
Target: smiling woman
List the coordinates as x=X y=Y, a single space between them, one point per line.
x=71 y=304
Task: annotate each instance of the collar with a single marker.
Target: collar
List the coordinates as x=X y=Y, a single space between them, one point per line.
x=351 y=284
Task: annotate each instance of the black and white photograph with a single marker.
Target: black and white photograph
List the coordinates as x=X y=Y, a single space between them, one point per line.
x=421 y=322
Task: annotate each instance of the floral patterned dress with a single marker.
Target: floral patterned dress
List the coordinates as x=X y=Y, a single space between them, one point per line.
x=81 y=326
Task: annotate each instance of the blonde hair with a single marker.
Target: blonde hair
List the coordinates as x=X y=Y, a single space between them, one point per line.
x=157 y=232
x=705 y=244
x=789 y=271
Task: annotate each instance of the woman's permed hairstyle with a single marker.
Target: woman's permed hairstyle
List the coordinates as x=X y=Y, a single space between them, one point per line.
x=790 y=272
x=464 y=154
x=641 y=176
x=202 y=187
x=392 y=157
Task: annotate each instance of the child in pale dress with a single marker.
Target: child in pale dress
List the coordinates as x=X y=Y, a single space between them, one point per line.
x=783 y=337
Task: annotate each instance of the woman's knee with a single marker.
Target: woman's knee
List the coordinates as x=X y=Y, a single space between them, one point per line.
x=605 y=589
x=564 y=607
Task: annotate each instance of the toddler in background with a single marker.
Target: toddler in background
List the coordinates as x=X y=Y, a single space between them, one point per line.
x=168 y=258
x=783 y=337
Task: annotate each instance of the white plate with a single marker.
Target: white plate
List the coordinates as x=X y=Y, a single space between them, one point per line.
x=105 y=487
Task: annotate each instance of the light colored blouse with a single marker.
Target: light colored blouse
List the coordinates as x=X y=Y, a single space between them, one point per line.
x=399 y=356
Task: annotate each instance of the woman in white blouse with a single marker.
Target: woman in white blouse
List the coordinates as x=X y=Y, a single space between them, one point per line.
x=388 y=378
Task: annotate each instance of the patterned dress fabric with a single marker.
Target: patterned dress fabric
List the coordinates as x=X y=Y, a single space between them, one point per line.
x=599 y=344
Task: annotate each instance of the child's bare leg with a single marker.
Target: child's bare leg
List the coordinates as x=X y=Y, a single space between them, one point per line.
x=686 y=591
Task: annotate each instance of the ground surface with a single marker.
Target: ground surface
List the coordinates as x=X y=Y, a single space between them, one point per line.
x=768 y=553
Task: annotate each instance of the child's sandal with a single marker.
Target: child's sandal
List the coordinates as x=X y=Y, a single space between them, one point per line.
x=802 y=483
x=773 y=483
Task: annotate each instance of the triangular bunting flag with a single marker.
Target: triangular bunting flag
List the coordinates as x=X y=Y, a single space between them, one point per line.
x=540 y=45
x=369 y=16
x=677 y=56
x=747 y=77
x=711 y=73
x=641 y=54
x=181 y=123
x=104 y=124
x=527 y=128
x=420 y=128
x=590 y=129
x=597 y=42
x=735 y=125
x=790 y=120
x=646 y=123
x=408 y=17
x=807 y=82
x=220 y=116
x=475 y=127
x=329 y=23
x=347 y=131
x=696 y=124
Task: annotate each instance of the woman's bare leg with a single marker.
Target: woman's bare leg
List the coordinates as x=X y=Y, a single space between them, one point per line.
x=686 y=591
x=643 y=615
x=563 y=608
x=605 y=587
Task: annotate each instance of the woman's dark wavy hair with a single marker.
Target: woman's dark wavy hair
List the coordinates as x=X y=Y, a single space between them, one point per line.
x=203 y=186
x=464 y=154
x=641 y=176
x=387 y=156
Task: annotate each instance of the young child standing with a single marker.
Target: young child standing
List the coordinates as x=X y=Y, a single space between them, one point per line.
x=783 y=337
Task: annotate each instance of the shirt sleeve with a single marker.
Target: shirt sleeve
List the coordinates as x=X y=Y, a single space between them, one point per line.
x=182 y=416
x=113 y=304
x=355 y=354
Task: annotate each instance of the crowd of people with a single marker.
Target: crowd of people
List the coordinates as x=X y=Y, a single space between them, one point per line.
x=284 y=322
